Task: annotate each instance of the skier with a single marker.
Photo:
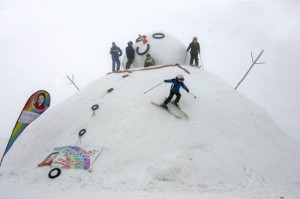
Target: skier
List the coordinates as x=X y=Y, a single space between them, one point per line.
x=176 y=84
x=129 y=54
x=195 y=50
x=115 y=52
x=149 y=61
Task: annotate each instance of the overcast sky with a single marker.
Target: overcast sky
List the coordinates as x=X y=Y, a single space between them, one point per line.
x=42 y=41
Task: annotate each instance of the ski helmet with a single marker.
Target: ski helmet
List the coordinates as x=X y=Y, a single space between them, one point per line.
x=180 y=77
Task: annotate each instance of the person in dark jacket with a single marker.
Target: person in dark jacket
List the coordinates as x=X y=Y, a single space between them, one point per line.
x=195 y=50
x=176 y=84
x=129 y=54
x=149 y=61
x=115 y=52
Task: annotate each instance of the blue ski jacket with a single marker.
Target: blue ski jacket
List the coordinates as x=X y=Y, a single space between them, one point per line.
x=176 y=85
x=115 y=52
x=130 y=52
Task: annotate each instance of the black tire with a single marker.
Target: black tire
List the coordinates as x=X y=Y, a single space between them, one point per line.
x=137 y=50
x=138 y=39
x=82 y=132
x=51 y=175
x=158 y=35
x=95 y=107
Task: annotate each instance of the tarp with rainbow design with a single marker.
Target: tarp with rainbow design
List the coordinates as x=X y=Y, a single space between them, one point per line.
x=71 y=157
x=34 y=107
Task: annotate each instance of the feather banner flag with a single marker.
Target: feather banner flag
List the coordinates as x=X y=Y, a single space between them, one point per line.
x=34 y=107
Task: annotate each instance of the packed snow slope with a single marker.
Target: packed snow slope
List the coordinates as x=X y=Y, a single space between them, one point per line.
x=227 y=145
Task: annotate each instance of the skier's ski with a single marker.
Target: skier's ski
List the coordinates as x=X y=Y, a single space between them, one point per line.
x=186 y=115
x=165 y=109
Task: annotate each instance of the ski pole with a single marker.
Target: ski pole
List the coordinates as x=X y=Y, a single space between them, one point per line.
x=153 y=87
x=193 y=95
x=201 y=61
x=185 y=57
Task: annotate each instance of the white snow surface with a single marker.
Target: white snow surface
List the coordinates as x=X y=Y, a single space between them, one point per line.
x=228 y=148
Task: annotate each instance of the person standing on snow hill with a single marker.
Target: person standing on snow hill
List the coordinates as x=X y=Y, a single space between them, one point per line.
x=115 y=52
x=176 y=84
x=195 y=50
x=129 y=54
x=149 y=61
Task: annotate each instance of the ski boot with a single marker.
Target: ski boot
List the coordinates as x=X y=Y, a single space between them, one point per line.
x=175 y=104
x=164 y=106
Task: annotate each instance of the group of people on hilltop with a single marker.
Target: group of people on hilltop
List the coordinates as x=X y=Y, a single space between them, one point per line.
x=177 y=82
x=116 y=52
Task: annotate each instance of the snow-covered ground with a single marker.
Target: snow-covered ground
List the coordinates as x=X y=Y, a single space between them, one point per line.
x=228 y=148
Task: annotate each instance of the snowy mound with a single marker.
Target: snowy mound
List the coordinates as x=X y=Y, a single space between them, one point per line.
x=163 y=48
x=227 y=144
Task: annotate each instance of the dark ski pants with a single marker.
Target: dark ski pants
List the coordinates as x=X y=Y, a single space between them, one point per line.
x=178 y=96
x=194 y=57
x=129 y=62
x=115 y=60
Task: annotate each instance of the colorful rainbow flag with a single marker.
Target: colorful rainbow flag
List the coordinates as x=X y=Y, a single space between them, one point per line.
x=34 y=107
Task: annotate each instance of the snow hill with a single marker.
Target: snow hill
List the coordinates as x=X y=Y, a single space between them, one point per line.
x=228 y=148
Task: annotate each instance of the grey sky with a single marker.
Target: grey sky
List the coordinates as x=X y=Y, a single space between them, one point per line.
x=42 y=41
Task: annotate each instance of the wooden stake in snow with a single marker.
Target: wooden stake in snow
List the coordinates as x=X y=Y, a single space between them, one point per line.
x=253 y=63
x=72 y=81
